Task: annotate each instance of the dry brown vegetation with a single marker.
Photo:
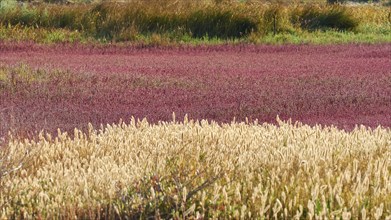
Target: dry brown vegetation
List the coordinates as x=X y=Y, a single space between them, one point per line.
x=200 y=170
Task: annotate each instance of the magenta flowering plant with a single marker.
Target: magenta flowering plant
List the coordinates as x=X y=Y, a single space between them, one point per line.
x=68 y=86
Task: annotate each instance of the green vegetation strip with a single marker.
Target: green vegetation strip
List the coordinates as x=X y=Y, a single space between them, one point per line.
x=194 y=22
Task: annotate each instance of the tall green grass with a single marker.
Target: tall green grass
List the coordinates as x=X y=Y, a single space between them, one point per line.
x=178 y=20
x=335 y=17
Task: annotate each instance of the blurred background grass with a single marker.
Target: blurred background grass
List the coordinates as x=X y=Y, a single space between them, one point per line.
x=170 y=21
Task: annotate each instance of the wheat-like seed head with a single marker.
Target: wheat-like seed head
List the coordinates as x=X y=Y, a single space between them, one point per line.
x=236 y=170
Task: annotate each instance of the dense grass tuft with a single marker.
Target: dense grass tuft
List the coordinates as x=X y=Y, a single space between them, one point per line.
x=335 y=17
x=219 y=23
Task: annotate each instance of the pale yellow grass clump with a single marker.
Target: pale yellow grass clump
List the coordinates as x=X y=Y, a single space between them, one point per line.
x=202 y=170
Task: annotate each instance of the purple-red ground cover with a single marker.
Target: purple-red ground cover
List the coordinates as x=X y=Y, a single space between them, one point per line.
x=343 y=85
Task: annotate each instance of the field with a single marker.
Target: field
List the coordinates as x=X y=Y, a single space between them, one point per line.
x=50 y=87
x=182 y=109
x=214 y=157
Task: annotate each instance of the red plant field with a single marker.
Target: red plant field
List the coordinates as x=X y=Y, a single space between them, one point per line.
x=342 y=85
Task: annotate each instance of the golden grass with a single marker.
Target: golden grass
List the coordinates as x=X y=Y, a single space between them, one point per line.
x=201 y=170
